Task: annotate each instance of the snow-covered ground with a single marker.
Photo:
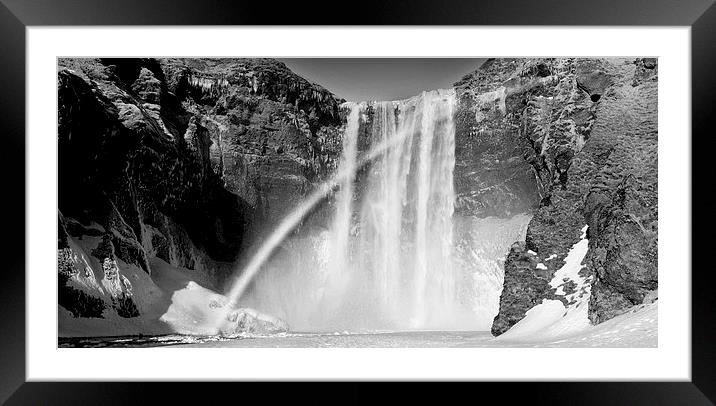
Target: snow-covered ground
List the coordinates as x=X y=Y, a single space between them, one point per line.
x=178 y=308
x=173 y=301
x=635 y=329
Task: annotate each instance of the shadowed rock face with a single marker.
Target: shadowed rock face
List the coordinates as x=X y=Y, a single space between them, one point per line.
x=272 y=134
x=183 y=160
x=525 y=286
x=588 y=130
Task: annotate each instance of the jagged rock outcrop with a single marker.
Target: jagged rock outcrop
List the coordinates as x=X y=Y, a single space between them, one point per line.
x=587 y=128
x=182 y=160
x=525 y=286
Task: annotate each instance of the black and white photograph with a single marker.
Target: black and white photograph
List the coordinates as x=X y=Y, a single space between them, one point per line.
x=357 y=202
x=202 y=199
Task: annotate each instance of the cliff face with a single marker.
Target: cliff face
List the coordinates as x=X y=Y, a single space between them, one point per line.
x=188 y=161
x=493 y=175
x=588 y=130
x=180 y=160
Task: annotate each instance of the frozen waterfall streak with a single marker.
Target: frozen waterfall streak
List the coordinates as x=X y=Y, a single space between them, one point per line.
x=284 y=229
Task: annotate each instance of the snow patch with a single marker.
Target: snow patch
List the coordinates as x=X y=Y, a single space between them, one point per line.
x=542 y=266
x=569 y=272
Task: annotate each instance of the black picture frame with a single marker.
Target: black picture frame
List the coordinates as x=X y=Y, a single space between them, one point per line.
x=16 y=15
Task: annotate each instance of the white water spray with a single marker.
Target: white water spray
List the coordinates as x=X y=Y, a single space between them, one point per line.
x=284 y=228
x=388 y=258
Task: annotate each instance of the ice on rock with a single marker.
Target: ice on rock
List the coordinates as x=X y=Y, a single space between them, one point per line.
x=195 y=308
x=250 y=321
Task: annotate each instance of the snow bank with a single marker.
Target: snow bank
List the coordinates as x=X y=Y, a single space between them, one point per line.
x=637 y=328
x=173 y=300
x=551 y=319
x=195 y=309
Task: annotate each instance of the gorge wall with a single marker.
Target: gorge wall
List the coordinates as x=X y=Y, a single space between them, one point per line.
x=189 y=162
x=186 y=161
x=587 y=129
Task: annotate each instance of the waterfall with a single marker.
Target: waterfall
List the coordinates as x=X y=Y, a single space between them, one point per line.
x=339 y=257
x=397 y=242
x=345 y=194
x=393 y=255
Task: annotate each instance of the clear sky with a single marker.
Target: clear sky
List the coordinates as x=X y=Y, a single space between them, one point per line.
x=362 y=79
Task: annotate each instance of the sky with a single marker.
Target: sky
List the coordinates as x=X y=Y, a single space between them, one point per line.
x=364 y=79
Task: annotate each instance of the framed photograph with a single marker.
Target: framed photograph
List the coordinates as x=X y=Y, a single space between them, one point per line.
x=475 y=194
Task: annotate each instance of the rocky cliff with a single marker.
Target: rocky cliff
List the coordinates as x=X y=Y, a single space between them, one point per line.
x=185 y=161
x=586 y=130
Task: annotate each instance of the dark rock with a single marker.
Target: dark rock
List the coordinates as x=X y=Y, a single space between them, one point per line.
x=62 y=237
x=104 y=249
x=646 y=69
x=79 y=303
x=649 y=63
x=595 y=164
x=184 y=160
x=611 y=303
x=594 y=82
x=623 y=250
x=147 y=87
x=569 y=287
x=524 y=288
x=492 y=177
x=125 y=307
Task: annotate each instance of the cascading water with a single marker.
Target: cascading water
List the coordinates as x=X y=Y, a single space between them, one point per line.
x=404 y=243
x=388 y=260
